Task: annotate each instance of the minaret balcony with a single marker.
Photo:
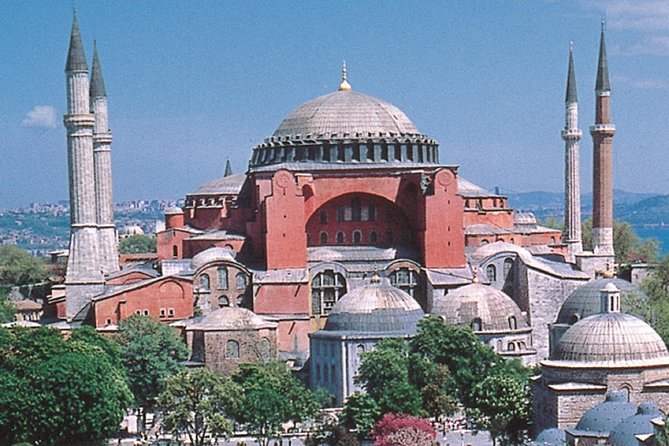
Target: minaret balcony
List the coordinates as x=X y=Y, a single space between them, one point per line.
x=571 y=134
x=607 y=129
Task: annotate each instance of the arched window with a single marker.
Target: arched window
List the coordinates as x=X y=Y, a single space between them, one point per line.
x=357 y=237
x=340 y=237
x=324 y=238
x=508 y=268
x=406 y=280
x=513 y=323
x=552 y=240
x=373 y=238
x=484 y=242
x=223 y=301
x=175 y=251
x=204 y=282
x=491 y=272
x=240 y=300
x=240 y=281
x=356 y=209
x=500 y=345
x=323 y=216
x=232 y=349
x=222 y=278
x=371 y=212
x=265 y=349
x=511 y=347
x=326 y=289
x=476 y=324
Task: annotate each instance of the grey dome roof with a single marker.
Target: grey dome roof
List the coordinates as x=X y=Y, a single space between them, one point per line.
x=551 y=437
x=377 y=307
x=585 y=300
x=477 y=301
x=605 y=416
x=212 y=255
x=624 y=434
x=344 y=113
x=232 y=318
x=611 y=338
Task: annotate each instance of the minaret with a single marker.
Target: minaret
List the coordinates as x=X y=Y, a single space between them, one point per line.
x=602 y=137
x=83 y=279
x=102 y=139
x=572 y=182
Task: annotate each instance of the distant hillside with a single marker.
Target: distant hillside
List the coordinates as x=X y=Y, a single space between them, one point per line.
x=650 y=211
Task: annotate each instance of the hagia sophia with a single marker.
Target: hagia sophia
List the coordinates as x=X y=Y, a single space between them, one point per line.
x=348 y=227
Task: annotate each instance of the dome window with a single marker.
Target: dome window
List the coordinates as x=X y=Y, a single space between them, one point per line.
x=508 y=266
x=513 y=323
x=477 y=324
x=222 y=278
x=223 y=301
x=406 y=280
x=240 y=281
x=491 y=272
x=204 y=282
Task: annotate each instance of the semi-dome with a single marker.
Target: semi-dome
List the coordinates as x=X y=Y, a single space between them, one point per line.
x=624 y=434
x=210 y=255
x=585 y=300
x=605 y=416
x=377 y=307
x=345 y=127
x=611 y=338
x=232 y=318
x=482 y=306
x=551 y=437
x=344 y=113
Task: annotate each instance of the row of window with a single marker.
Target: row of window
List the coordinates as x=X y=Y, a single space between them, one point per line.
x=164 y=312
x=356 y=237
x=232 y=350
x=355 y=212
x=224 y=301
x=241 y=281
x=348 y=152
x=491 y=270
x=477 y=324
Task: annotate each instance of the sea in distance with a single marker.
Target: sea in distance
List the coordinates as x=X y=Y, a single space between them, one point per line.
x=659 y=233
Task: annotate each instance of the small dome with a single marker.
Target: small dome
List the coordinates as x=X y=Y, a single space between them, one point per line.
x=605 y=416
x=232 y=318
x=173 y=210
x=585 y=300
x=212 y=255
x=611 y=338
x=377 y=307
x=624 y=434
x=551 y=437
x=495 y=310
x=344 y=113
x=524 y=218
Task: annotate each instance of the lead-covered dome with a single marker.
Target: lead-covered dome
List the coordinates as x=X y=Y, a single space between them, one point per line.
x=480 y=306
x=345 y=127
x=232 y=318
x=612 y=338
x=585 y=301
x=377 y=307
x=605 y=416
x=344 y=113
x=625 y=433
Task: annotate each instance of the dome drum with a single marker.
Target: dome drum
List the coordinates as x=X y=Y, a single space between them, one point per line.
x=378 y=151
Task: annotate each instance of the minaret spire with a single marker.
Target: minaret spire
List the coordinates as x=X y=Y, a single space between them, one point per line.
x=571 y=135
x=602 y=137
x=76 y=58
x=344 y=86
x=228 y=168
x=102 y=139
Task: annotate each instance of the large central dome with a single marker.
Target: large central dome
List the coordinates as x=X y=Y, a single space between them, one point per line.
x=344 y=128
x=345 y=113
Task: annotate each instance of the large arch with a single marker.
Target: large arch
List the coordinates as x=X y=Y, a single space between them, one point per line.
x=364 y=219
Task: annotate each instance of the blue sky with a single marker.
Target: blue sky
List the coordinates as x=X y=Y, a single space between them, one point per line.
x=192 y=83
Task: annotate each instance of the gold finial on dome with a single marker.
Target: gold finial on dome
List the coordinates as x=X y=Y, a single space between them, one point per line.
x=344 y=86
x=376 y=279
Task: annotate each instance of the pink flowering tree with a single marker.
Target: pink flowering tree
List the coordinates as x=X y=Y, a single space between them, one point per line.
x=403 y=430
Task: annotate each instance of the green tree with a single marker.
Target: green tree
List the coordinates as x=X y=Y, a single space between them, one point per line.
x=656 y=287
x=271 y=397
x=18 y=267
x=7 y=308
x=55 y=392
x=137 y=244
x=360 y=413
x=626 y=243
x=196 y=404
x=150 y=352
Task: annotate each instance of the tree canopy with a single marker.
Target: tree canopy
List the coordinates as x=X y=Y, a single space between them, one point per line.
x=18 y=267
x=137 y=244
x=55 y=392
x=150 y=352
x=626 y=243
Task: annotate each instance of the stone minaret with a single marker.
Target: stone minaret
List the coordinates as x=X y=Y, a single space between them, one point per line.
x=102 y=139
x=602 y=136
x=572 y=182
x=84 y=278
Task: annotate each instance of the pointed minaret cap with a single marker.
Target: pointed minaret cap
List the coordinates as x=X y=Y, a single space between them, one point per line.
x=344 y=86
x=571 y=96
x=97 y=82
x=76 y=59
x=228 y=168
x=602 y=66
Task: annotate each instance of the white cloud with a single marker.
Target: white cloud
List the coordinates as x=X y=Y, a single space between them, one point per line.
x=43 y=116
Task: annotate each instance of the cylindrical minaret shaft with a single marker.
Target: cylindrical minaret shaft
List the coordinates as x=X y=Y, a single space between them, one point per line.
x=83 y=278
x=571 y=134
x=102 y=139
x=602 y=137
